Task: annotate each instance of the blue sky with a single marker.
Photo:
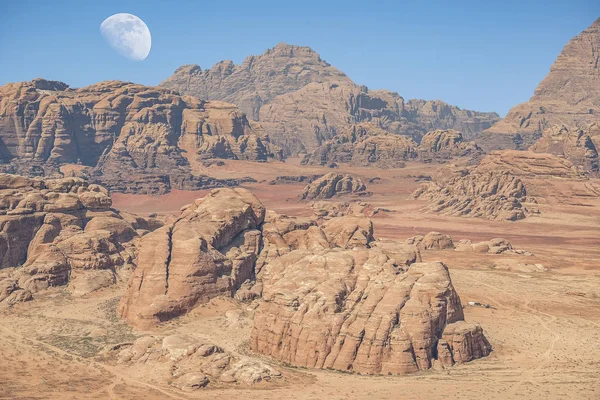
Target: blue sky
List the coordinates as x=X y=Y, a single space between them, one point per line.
x=483 y=55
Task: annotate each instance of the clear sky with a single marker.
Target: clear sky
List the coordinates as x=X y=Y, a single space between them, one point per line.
x=486 y=55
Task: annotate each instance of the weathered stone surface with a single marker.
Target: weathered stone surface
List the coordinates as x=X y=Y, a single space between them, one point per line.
x=363 y=145
x=62 y=232
x=357 y=310
x=302 y=101
x=258 y=79
x=331 y=185
x=431 y=241
x=305 y=119
x=569 y=96
x=576 y=145
x=490 y=195
x=209 y=250
x=131 y=137
x=193 y=364
x=443 y=144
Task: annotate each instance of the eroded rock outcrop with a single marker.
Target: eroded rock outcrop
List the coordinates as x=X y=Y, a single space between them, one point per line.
x=364 y=145
x=443 y=144
x=490 y=195
x=362 y=310
x=132 y=138
x=192 y=364
x=63 y=232
x=574 y=144
x=331 y=185
x=208 y=251
x=569 y=96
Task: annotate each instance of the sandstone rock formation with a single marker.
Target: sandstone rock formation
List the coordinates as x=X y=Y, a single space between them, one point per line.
x=194 y=364
x=259 y=79
x=490 y=195
x=63 y=231
x=362 y=310
x=443 y=144
x=576 y=145
x=331 y=185
x=209 y=250
x=569 y=96
x=302 y=101
x=305 y=119
x=133 y=138
x=527 y=164
x=431 y=241
x=329 y=294
x=363 y=145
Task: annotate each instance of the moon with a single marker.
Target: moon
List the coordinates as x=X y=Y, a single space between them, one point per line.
x=128 y=35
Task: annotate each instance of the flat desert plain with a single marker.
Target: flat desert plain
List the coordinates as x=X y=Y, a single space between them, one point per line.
x=543 y=323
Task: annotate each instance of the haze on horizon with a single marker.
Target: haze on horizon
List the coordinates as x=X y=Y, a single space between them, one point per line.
x=481 y=57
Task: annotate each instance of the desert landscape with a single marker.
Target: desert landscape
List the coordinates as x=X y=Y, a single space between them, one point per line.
x=274 y=230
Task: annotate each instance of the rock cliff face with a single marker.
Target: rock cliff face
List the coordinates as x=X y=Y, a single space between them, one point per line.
x=362 y=310
x=301 y=121
x=63 y=232
x=132 y=137
x=210 y=250
x=302 y=101
x=569 y=96
x=574 y=144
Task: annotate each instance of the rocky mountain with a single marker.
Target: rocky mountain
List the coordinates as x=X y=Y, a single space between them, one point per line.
x=568 y=96
x=131 y=138
x=258 y=80
x=302 y=101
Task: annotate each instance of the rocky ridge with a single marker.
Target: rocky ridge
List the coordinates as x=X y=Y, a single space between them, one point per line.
x=305 y=101
x=131 y=138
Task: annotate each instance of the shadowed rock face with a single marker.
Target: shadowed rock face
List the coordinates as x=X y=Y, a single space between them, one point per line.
x=210 y=250
x=132 y=137
x=62 y=232
x=443 y=144
x=302 y=101
x=569 y=96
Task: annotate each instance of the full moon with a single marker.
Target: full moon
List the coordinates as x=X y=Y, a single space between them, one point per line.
x=128 y=35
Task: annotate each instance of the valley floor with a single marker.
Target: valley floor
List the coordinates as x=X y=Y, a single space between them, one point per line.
x=544 y=326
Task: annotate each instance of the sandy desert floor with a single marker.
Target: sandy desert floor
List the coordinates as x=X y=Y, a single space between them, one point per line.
x=544 y=326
